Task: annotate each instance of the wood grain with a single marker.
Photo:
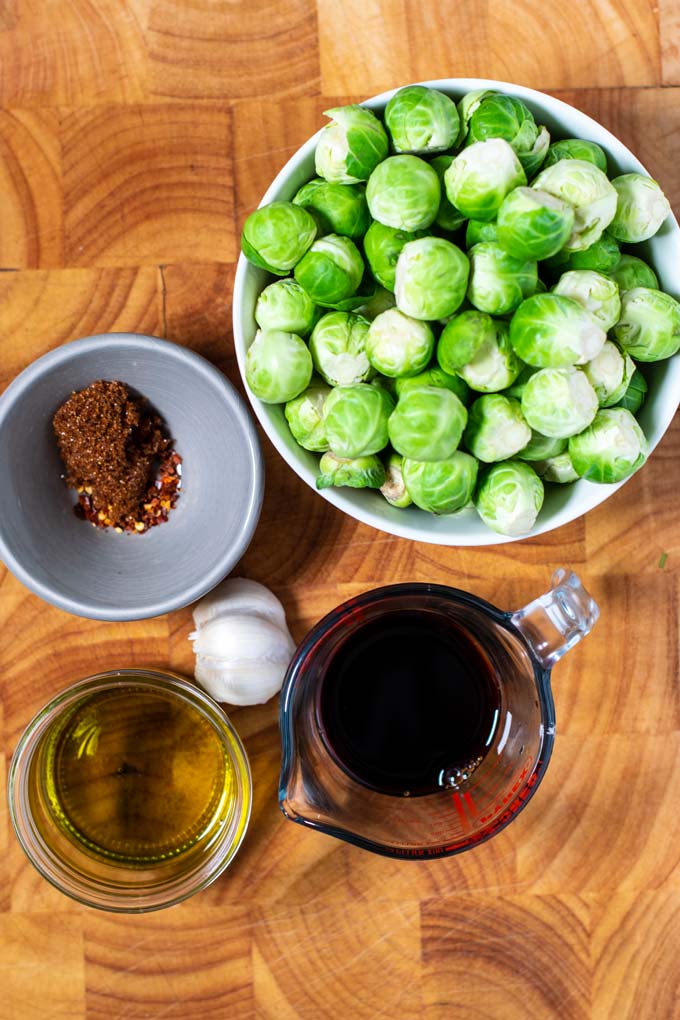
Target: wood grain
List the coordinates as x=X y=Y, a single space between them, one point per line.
x=135 y=137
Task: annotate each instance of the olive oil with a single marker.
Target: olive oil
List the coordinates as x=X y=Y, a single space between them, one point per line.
x=137 y=776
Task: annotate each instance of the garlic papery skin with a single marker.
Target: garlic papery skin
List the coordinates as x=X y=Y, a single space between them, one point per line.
x=241 y=641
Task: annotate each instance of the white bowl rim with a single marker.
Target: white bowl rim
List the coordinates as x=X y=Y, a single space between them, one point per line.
x=595 y=493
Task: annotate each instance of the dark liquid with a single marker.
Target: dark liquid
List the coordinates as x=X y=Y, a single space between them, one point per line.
x=407 y=700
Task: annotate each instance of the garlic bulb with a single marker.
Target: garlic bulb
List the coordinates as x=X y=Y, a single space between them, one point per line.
x=241 y=642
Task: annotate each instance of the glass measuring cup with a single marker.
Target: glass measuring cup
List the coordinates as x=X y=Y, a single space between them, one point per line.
x=471 y=802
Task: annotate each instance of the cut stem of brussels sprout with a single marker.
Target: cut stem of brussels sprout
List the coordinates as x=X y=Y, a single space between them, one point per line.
x=496 y=428
x=285 y=305
x=356 y=419
x=351 y=146
x=509 y=497
x=498 y=281
x=441 y=486
x=557 y=469
x=427 y=423
x=495 y=366
x=357 y=472
x=585 y=187
x=610 y=374
x=533 y=224
x=304 y=415
x=481 y=176
x=610 y=449
x=398 y=345
x=431 y=278
x=337 y=208
x=404 y=192
x=641 y=208
x=331 y=270
x=394 y=489
x=559 y=402
x=338 y=348
x=276 y=236
x=596 y=293
x=421 y=120
x=649 y=325
x=552 y=331
x=278 y=366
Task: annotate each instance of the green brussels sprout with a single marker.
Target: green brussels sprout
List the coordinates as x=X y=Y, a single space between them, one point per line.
x=448 y=217
x=641 y=208
x=610 y=373
x=421 y=120
x=435 y=376
x=356 y=420
x=398 y=345
x=466 y=107
x=404 y=192
x=557 y=469
x=501 y=116
x=379 y=302
x=634 y=397
x=304 y=415
x=631 y=272
x=649 y=326
x=596 y=293
x=276 y=236
x=356 y=472
x=441 y=486
x=463 y=337
x=576 y=148
x=338 y=348
x=432 y=276
x=278 y=366
x=585 y=187
x=517 y=387
x=427 y=423
x=351 y=146
x=552 y=331
x=533 y=224
x=393 y=488
x=337 y=208
x=496 y=428
x=610 y=449
x=478 y=230
x=498 y=281
x=481 y=176
x=285 y=305
x=382 y=247
x=331 y=270
x=364 y=293
x=494 y=366
x=509 y=497
x=541 y=448
x=602 y=256
x=559 y=402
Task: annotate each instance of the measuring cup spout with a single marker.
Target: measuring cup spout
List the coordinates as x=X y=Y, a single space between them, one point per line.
x=556 y=621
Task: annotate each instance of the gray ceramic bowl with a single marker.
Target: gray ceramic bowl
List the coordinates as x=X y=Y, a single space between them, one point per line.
x=99 y=573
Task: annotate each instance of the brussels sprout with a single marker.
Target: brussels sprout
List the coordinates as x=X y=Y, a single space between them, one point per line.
x=517 y=387
x=602 y=256
x=498 y=282
x=649 y=326
x=337 y=208
x=421 y=120
x=379 y=302
x=641 y=208
x=610 y=373
x=631 y=272
x=596 y=293
x=466 y=107
x=448 y=217
x=364 y=293
x=441 y=486
x=338 y=347
x=427 y=423
x=304 y=415
x=509 y=497
x=356 y=420
x=393 y=488
x=533 y=224
x=432 y=276
x=478 y=230
x=382 y=246
x=610 y=449
x=357 y=472
x=552 y=331
x=463 y=337
x=435 y=377
x=351 y=146
x=541 y=448
x=404 y=192
x=557 y=469
x=634 y=397
x=276 y=236
x=481 y=176
x=331 y=270
x=398 y=345
x=278 y=366
x=559 y=402
x=285 y=305
x=495 y=366
x=496 y=428
x=576 y=148
x=501 y=116
x=585 y=187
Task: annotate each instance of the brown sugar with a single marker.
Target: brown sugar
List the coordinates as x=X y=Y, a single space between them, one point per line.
x=118 y=457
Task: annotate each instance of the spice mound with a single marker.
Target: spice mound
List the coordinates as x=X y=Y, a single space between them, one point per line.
x=118 y=457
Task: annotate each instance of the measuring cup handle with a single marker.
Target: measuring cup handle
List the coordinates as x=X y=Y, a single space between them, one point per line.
x=556 y=621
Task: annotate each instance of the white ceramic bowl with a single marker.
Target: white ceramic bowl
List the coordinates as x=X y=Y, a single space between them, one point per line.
x=563 y=503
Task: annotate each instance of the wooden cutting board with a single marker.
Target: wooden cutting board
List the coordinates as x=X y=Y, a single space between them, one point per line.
x=135 y=136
